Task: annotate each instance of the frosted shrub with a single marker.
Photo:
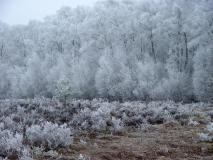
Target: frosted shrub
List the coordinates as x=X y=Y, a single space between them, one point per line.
x=49 y=135
x=192 y=122
x=1 y=126
x=210 y=128
x=204 y=137
x=101 y=116
x=26 y=155
x=93 y=117
x=83 y=157
x=81 y=119
x=118 y=126
x=10 y=124
x=10 y=143
x=209 y=135
x=99 y=120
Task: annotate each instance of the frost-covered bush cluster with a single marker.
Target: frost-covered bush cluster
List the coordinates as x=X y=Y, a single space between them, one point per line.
x=10 y=142
x=30 y=127
x=83 y=157
x=208 y=135
x=49 y=135
x=24 y=126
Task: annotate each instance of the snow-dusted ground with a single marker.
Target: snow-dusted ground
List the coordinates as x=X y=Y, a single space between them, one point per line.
x=28 y=128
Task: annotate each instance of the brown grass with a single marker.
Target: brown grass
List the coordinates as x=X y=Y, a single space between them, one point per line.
x=169 y=141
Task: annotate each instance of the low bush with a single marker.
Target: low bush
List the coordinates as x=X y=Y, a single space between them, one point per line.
x=10 y=143
x=208 y=135
x=49 y=135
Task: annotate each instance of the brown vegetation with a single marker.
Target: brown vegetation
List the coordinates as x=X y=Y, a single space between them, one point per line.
x=169 y=141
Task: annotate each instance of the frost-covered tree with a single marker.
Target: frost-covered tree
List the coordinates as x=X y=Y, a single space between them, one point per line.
x=63 y=90
x=113 y=79
x=203 y=61
x=203 y=76
x=102 y=52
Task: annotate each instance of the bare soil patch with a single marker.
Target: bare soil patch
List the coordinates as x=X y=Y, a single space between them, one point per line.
x=169 y=141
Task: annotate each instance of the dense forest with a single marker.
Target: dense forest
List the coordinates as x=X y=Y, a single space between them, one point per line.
x=118 y=50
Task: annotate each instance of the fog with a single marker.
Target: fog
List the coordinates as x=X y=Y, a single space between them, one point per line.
x=22 y=11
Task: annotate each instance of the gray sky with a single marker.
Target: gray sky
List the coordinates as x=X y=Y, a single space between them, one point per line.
x=22 y=11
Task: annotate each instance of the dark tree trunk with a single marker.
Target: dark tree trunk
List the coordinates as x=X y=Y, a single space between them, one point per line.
x=186 y=48
x=1 y=50
x=153 y=47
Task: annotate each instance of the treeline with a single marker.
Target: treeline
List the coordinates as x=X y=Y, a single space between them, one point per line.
x=119 y=50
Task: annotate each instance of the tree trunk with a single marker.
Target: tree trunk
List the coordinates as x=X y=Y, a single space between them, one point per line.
x=186 y=48
x=153 y=47
x=2 y=50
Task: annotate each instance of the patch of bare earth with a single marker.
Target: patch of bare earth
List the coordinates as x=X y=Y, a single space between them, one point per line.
x=169 y=141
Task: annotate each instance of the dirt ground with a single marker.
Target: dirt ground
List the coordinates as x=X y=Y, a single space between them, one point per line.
x=169 y=141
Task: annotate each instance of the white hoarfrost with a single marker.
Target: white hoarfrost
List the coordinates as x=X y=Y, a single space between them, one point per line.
x=10 y=142
x=30 y=127
x=208 y=135
x=49 y=135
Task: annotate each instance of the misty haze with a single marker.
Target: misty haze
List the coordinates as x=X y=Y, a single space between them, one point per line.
x=106 y=80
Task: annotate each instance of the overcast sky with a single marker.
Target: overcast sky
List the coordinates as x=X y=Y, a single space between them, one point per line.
x=22 y=11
